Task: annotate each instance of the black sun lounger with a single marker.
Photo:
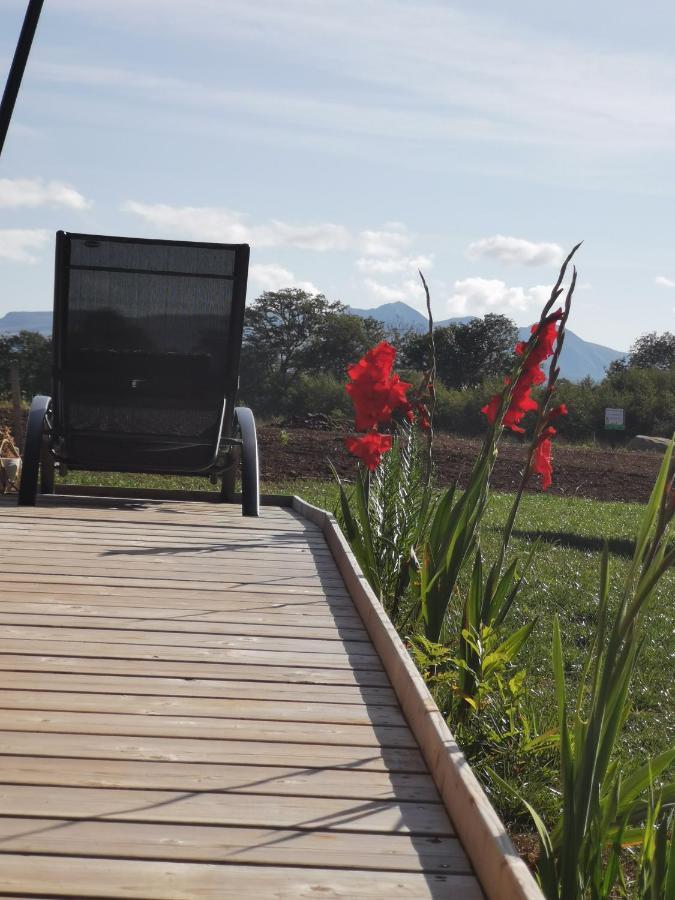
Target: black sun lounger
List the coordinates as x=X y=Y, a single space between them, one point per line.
x=147 y=336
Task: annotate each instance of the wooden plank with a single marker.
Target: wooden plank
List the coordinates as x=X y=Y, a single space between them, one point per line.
x=32 y=537
x=68 y=615
x=205 y=554
x=249 y=657
x=146 y=534
x=179 y=749
x=206 y=728
x=244 y=779
x=140 y=880
x=153 y=667
x=48 y=697
x=149 y=565
x=178 y=559
x=235 y=601
x=358 y=652
x=249 y=692
x=68 y=580
x=211 y=495
x=109 y=523
x=329 y=618
x=213 y=807
x=175 y=567
x=216 y=844
x=266 y=584
x=110 y=509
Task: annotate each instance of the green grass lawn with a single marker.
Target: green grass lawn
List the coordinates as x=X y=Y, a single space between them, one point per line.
x=563 y=580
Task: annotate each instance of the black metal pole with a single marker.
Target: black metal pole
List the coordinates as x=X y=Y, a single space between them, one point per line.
x=18 y=67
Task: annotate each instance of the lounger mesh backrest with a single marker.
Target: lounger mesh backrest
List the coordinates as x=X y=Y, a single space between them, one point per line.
x=145 y=329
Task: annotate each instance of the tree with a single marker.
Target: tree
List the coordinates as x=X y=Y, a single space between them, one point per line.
x=33 y=352
x=466 y=353
x=653 y=351
x=341 y=339
x=280 y=327
x=485 y=348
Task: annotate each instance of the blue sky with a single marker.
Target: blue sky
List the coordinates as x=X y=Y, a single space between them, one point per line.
x=351 y=141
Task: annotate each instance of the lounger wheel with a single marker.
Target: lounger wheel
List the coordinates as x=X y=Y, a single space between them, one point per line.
x=250 y=477
x=38 y=462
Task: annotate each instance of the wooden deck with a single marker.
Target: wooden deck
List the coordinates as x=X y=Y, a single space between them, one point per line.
x=191 y=707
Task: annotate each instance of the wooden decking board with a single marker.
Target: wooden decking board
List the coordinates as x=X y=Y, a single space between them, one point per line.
x=219 y=708
x=144 y=582
x=355 y=784
x=283 y=627
x=338 y=620
x=303 y=559
x=355 y=652
x=191 y=707
x=212 y=656
x=187 y=749
x=364 y=699
x=222 y=844
x=153 y=666
x=233 y=576
x=206 y=728
x=230 y=808
x=124 y=879
x=189 y=602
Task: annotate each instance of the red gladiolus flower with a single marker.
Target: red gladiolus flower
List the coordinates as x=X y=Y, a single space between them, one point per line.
x=531 y=374
x=369 y=448
x=560 y=410
x=541 y=463
x=374 y=391
x=424 y=420
x=543 y=455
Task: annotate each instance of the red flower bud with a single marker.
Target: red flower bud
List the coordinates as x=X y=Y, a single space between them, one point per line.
x=369 y=448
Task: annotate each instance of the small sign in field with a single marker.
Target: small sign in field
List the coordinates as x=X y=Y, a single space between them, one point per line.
x=615 y=419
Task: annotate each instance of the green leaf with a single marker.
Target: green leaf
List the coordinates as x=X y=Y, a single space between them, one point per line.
x=508 y=650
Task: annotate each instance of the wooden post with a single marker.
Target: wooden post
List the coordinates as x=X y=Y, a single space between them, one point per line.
x=17 y=412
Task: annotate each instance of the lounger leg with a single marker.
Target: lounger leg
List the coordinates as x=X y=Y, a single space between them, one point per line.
x=35 y=452
x=250 y=478
x=227 y=489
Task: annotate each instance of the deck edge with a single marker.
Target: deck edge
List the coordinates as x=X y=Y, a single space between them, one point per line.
x=501 y=872
x=123 y=493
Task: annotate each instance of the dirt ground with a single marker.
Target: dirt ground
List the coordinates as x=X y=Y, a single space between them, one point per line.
x=599 y=474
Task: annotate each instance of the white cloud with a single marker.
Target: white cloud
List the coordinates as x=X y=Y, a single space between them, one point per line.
x=476 y=296
x=384 y=292
x=20 y=244
x=384 y=254
x=389 y=243
x=662 y=281
x=393 y=265
x=408 y=291
x=228 y=226
x=511 y=250
x=34 y=192
x=272 y=277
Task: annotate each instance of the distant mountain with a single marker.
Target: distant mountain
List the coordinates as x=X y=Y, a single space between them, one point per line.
x=579 y=358
x=400 y=315
x=14 y=322
x=394 y=315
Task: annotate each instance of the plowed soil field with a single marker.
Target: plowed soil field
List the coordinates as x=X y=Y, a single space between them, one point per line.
x=599 y=474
